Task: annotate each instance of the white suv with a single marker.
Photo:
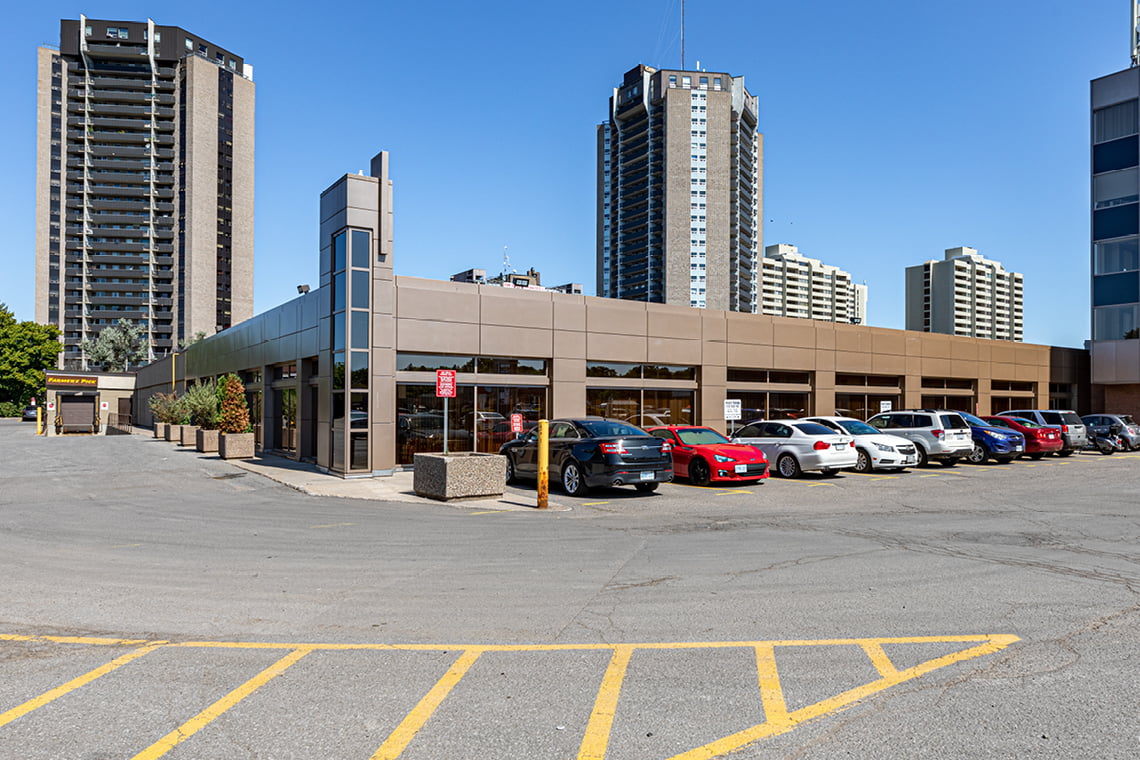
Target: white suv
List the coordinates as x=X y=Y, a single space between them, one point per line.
x=940 y=435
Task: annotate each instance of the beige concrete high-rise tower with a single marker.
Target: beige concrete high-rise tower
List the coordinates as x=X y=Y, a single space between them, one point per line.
x=144 y=187
x=680 y=191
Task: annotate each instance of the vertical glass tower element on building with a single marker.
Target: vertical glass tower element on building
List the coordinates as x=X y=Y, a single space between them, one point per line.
x=680 y=191
x=144 y=189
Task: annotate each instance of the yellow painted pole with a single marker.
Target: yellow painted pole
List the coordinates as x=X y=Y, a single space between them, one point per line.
x=543 y=464
x=39 y=420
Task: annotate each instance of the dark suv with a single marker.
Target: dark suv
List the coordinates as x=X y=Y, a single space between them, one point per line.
x=593 y=451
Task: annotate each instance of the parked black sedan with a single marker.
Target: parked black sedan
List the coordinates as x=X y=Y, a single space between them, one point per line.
x=588 y=452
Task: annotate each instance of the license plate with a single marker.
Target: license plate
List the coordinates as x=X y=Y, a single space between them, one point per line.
x=741 y=468
x=1018 y=447
x=647 y=475
x=839 y=445
x=910 y=460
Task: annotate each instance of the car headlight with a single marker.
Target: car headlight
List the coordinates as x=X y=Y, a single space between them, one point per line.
x=885 y=447
x=994 y=435
x=722 y=458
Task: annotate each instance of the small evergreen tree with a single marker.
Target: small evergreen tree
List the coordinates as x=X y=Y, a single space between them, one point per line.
x=168 y=408
x=117 y=347
x=201 y=403
x=233 y=414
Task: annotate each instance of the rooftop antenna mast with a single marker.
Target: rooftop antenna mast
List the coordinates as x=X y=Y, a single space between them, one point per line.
x=1134 y=2
x=1134 y=42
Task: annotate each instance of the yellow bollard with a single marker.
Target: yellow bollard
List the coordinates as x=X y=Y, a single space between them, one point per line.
x=39 y=420
x=543 y=464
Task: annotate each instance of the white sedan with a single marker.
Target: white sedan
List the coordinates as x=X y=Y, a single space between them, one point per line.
x=796 y=446
x=877 y=450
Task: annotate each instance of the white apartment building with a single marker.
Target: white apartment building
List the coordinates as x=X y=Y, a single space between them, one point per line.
x=965 y=294
x=793 y=285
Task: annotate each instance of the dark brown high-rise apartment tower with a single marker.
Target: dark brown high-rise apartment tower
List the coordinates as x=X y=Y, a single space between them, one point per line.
x=144 y=184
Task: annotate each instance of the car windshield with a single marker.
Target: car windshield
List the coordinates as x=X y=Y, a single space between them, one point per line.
x=972 y=420
x=605 y=428
x=700 y=436
x=855 y=427
x=812 y=428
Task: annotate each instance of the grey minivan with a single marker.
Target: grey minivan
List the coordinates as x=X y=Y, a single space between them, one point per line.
x=940 y=435
x=1072 y=427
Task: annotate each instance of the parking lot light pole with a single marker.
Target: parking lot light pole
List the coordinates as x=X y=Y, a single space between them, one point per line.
x=543 y=464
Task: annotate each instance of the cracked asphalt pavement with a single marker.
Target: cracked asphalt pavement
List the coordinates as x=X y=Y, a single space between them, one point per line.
x=130 y=538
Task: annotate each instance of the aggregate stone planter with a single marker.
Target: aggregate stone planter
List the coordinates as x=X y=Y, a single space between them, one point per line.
x=459 y=476
x=174 y=433
x=188 y=435
x=206 y=441
x=160 y=430
x=238 y=446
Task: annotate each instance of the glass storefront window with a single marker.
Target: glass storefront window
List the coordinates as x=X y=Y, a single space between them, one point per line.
x=505 y=366
x=491 y=420
x=612 y=369
x=430 y=362
x=863 y=406
x=358 y=443
x=953 y=403
x=419 y=423
x=788 y=405
x=615 y=403
x=666 y=408
x=669 y=372
x=338 y=432
x=753 y=405
x=361 y=249
x=358 y=414
x=288 y=420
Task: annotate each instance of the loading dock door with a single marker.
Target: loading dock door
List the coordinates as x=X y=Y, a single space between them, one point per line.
x=77 y=413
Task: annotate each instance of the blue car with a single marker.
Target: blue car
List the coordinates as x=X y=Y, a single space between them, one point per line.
x=1001 y=444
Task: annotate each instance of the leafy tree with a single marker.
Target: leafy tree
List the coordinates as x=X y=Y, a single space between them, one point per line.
x=187 y=342
x=233 y=414
x=168 y=408
x=117 y=346
x=26 y=350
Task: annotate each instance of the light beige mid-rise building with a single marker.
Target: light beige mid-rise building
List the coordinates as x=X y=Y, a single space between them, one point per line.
x=965 y=294
x=144 y=188
x=793 y=285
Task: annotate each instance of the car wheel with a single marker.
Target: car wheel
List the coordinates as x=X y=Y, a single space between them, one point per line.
x=1035 y=456
x=572 y=481
x=788 y=467
x=864 y=463
x=1105 y=447
x=923 y=459
x=978 y=455
x=699 y=472
x=951 y=462
x=512 y=476
x=1065 y=453
x=645 y=487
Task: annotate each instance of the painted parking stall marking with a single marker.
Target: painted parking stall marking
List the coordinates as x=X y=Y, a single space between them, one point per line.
x=894 y=660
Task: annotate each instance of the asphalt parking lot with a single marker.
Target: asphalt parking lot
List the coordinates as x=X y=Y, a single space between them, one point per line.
x=159 y=603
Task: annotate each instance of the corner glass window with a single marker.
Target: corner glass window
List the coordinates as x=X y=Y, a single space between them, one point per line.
x=361 y=249
x=339 y=296
x=338 y=331
x=339 y=244
x=360 y=320
x=338 y=371
x=360 y=370
x=360 y=278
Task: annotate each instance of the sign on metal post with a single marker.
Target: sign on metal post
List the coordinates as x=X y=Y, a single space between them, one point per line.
x=732 y=411
x=516 y=423
x=445 y=389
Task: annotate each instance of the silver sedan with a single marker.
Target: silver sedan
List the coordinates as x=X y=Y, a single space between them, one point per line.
x=797 y=446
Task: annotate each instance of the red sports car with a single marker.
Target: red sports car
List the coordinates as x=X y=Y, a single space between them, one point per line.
x=703 y=455
x=1039 y=439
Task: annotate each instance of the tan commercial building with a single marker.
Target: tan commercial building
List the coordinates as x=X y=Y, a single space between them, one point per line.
x=345 y=375
x=144 y=184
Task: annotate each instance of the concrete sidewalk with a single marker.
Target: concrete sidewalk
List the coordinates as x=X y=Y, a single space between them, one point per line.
x=307 y=479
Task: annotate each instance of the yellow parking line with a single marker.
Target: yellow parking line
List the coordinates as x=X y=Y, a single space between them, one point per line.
x=207 y=716
x=490 y=512
x=593 y=503
x=880 y=660
x=399 y=739
x=730 y=493
x=73 y=684
x=331 y=525
x=78 y=640
x=597 y=736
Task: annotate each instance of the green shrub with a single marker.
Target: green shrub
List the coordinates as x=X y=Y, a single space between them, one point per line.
x=168 y=408
x=201 y=404
x=10 y=409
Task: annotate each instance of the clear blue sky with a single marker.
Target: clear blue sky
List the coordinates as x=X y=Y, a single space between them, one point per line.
x=893 y=130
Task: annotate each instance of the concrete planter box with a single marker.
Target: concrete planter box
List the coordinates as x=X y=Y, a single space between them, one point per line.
x=238 y=446
x=188 y=435
x=465 y=475
x=160 y=430
x=206 y=441
x=174 y=433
